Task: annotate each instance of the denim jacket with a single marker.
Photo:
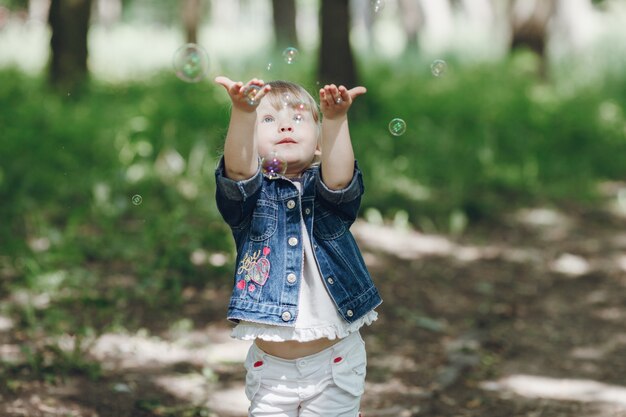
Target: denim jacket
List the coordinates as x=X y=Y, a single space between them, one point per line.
x=264 y=215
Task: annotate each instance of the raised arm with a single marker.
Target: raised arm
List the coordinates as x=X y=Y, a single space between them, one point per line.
x=240 y=149
x=337 y=154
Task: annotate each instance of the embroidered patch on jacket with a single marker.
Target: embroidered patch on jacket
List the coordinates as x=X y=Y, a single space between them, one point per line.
x=255 y=267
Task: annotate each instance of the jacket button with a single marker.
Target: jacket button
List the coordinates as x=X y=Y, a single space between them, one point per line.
x=291 y=278
x=330 y=280
x=349 y=313
x=286 y=316
x=293 y=241
x=291 y=204
x=307 y=211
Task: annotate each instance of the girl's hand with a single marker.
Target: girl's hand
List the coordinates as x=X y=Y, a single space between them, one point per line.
x=239 y=93
x=335 y=101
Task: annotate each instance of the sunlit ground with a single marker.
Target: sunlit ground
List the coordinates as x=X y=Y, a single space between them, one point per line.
x=564 y=389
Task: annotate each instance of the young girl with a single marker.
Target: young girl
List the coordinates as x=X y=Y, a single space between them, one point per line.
x=301 y=289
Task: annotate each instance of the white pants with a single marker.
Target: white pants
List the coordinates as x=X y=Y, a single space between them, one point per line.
x=327 y=384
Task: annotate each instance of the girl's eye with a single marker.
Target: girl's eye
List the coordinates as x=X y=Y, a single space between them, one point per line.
x=268 y=119
x=298 y=118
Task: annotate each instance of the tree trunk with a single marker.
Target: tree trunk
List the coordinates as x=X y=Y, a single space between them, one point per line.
x=412 y=21
x=336 y=60
x=284 y=13
x=69 y=24
x=192 y=11
x=529 y=24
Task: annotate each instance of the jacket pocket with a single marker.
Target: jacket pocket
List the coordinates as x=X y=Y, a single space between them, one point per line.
x=264 y=220
x=327 y=225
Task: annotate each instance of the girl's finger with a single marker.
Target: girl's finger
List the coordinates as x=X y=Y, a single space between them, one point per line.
x=224 y=81
x=357 y=91
x=330 y=94
x=342 y=95
x=323 y=97
x=236 y=88
x=261 y=93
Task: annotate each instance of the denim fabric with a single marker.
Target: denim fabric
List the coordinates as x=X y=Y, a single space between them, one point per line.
x=264 y=216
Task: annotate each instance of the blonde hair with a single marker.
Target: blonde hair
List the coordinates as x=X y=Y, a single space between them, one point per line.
x=288 y=94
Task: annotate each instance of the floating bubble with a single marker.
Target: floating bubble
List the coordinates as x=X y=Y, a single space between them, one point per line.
x=286 y=100
x=290 y=55
x=438 y=67
x=273 y=165
x=191 y=62
x=269 y=66
x=397 y=127
x=250 y=92
x=378 y=5
x=338 y=100
x=298 y=118
x=136 y=199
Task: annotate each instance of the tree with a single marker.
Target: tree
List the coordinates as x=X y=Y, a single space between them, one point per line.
x=69 y=24
x=529 y=24
x=336 y=64
x=191 y=13
x=412 y=20
x=284 y=14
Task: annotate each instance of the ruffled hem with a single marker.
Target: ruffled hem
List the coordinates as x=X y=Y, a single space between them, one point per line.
x=250 y=331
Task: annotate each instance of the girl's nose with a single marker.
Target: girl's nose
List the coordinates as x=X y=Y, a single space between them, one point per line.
x=286 y=129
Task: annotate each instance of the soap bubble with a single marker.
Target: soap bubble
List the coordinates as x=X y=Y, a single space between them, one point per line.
x=269 y=66
x=286 y=100
x=290 y=54
x=191 y=62
x=397 y=127
x=250 y=92
x=273 y=165
x=438 y=67
x=136 y=199
x=378 y=5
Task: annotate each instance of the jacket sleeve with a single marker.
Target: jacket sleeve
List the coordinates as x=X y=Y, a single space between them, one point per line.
x=345 y=202
x=236 y=199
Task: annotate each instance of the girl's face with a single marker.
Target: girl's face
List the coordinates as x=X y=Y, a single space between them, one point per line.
x=290 y=131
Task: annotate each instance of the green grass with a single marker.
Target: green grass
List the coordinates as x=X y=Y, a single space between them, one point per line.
x=480 y=141
x=486 y=140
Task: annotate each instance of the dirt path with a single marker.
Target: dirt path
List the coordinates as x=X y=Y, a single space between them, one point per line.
x=523 y=319
x=529 y=324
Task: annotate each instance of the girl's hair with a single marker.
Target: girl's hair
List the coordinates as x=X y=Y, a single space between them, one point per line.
x=288 y=94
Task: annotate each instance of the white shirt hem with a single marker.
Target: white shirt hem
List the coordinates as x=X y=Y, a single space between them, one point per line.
x=250 y=331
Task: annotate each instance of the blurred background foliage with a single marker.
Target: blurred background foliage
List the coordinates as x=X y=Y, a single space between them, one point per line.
x=107 y=187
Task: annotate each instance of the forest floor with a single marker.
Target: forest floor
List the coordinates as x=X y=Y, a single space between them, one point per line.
x=524 y=318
